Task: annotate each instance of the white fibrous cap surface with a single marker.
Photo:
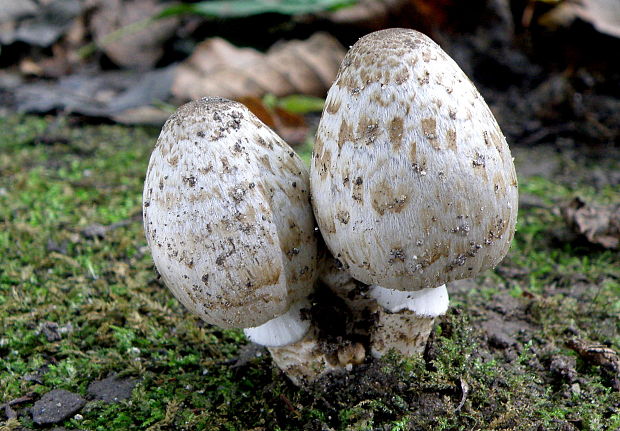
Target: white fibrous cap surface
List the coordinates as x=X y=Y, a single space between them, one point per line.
x=227 y=215
x=412 y=180
x=429 y=302
x=283 y=330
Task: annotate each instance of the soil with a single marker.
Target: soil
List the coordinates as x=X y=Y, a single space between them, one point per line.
x=111 y=389
x=55 y=406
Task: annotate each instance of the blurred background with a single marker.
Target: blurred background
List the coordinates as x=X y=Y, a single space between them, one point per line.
x=548 y=68
x=91 y=339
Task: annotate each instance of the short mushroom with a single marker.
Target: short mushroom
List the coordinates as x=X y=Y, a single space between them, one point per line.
x=412 y=180
x=228 y=220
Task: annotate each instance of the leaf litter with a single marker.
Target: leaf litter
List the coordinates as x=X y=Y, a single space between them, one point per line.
x=217 y=68
x=599 y=224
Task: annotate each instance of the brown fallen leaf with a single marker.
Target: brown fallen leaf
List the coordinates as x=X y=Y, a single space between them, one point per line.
x=599 y=224
x=424 y=15
x=217 y=68
x=598 y=355
x=289 y=126
x=36 y=23
x=139 y=47
x=604 y=15
x=258 y=108
x=371 y=14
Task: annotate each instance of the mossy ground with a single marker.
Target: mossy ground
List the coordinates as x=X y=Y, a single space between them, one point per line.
x=58 y=181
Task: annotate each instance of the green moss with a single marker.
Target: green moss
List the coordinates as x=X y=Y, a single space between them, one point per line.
x=57 y=179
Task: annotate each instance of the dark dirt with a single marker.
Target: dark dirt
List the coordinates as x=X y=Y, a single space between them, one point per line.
x=112 y=389
x=56 y=406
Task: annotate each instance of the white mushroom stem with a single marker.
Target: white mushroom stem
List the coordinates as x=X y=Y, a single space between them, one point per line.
x=430 y=302
x=283 y=330
x=405 y=319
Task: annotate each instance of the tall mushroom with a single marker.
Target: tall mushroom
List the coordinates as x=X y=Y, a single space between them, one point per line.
x=228 y=220
x=412 y=181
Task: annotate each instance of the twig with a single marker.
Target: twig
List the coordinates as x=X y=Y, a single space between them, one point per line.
x=134 y=27
x=23 y=399
x=599 y=355
x=8 y=411
x=465 y=391
x=544 y=132
x=289 y=405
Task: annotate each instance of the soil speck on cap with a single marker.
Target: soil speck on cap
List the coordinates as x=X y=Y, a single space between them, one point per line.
x=429 y=127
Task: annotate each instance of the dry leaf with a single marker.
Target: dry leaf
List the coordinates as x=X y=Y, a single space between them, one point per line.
x=258 y=108
x=145 y=114
x=27 y=66
x=289 y=126
x=217 y=68
x=599 y=224
x=63 y=59
x=36 y=24
x=125 y=96
x=13 y=10
x=598 y=355
x=138 y=48
x=604 y=15
x=373 y=14
x=59 y=64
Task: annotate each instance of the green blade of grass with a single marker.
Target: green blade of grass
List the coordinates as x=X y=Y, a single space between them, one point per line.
x=246 y=8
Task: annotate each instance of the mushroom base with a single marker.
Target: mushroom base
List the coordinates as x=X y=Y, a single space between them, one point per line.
x=335 y=342
x=305 y=361
x=347 y=323
x=383 y=319
x=404 y=331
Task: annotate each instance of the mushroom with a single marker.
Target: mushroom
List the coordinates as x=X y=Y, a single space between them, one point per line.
x=228 y=220
x=412 y=181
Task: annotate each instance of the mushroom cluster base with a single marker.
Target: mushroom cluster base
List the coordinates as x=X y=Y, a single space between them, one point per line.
x=404 y=331
x=307 y=360
x=337 y=340
x=348 y=328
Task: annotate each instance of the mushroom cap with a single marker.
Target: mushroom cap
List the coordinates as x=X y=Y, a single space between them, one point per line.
x=412 y=181
x=227 y=215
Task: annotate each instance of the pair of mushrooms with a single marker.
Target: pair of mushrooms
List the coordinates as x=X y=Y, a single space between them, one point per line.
x=412 y=186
